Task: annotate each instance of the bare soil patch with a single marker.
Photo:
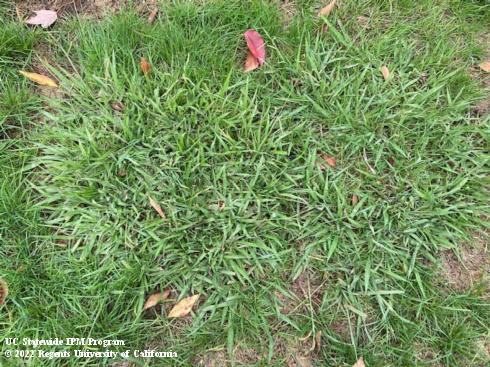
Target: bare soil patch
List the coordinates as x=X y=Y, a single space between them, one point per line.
x=92 y=8
x=474 y=267
x=242 y=356
x=483 y=107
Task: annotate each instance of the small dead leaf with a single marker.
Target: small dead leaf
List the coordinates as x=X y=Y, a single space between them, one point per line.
x=318 y=340
x=485 y=66
x=385 y=71
x=155 y=299
x=145 y=66
x=157 y=208
x=18 y=12
x=325 y=28
x=40 y=79
x=330 y=161
x=183 y=307
x=303 y=361
x=359 y=363
x=43 y=17
x=326 y=10
x=4 y=291
x=152 y=16
x=251 y=63
x=117 y=106
x=355 y=200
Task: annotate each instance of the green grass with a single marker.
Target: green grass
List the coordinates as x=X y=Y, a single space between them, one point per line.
x=82 y=248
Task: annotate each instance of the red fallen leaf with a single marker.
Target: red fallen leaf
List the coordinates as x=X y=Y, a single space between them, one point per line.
x=43 y=17
x=355 y=200
x=331 y=161
x=152 y=16
x=251 y=63
x=256 y=45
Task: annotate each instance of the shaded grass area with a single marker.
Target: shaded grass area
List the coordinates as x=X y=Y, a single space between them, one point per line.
x=272 y=242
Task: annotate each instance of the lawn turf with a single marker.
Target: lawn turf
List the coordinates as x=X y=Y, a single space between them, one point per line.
x=254 y=223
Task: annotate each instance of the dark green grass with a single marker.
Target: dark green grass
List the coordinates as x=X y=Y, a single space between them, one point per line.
x=197 y=133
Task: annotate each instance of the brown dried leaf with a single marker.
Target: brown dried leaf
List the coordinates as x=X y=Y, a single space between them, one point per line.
x=326 y=10
x=251 y=63
x=183 y=307
x=145 y=66
x=385 y=71
x=4 y=291
x=318 y=340
x=117 y=106
x=325 y=28
x=359 y=363
x=155 y=299
x=152 y=16
x=485 y=66
x=157 y=208
x=39 y=79
x=18 y=13
x=355 y=200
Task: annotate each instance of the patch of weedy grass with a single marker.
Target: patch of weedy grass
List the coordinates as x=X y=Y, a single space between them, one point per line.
x=16 y=101
x=272 y=243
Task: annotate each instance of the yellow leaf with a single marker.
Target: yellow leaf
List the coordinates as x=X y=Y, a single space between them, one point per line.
x=39 y=79
x=157 y=208
x=385 y=71
x=183 y=307
x=485 y=66
x=4 y=291
x=326 y=10
x=359 y=363
x=155 y=299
